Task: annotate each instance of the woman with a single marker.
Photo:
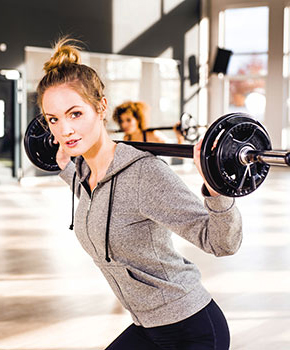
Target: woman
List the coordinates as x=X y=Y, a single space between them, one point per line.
x=129 y=202
x=132 y=118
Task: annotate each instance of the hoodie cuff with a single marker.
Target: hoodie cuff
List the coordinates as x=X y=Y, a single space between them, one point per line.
x=217 y=204
x=205 y=191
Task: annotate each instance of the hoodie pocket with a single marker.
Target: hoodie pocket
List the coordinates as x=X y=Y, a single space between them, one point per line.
x=144 y=295
x=137 y=288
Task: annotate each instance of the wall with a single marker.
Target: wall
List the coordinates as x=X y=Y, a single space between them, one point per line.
x=39 y=23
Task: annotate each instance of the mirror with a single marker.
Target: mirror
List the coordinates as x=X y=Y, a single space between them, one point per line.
x=155 y=81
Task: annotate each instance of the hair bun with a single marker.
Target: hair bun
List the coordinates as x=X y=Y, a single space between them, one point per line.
x=66 y=52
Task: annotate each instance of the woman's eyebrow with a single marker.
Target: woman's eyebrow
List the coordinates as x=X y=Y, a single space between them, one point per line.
x=71 y=109
x=66 y=112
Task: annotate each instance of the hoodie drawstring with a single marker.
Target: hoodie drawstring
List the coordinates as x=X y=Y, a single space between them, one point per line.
x=109 y=219
x=73 y=201
x=108 y=216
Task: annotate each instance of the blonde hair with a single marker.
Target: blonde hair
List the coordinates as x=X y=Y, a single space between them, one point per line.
x=139 y=110
x=65 y=67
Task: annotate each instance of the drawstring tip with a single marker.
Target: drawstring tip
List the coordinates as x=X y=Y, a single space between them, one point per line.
x=73 y=202
x=108 y=259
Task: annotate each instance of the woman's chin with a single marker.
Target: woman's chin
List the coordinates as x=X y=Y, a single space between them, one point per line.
x=73 y=153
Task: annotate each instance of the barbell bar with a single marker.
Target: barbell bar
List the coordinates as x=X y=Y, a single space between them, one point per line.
x=236 y=152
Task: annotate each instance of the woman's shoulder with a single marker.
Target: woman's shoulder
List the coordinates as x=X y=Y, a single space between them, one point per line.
x=154 y=166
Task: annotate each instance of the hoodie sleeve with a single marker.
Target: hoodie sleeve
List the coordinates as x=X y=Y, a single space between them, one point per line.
x=67 y=174
x=215 y=227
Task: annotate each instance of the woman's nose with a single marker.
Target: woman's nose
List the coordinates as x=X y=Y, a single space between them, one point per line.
x=66 y=129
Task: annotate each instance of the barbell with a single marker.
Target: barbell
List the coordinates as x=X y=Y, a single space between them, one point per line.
x=236 y=152
x=188 y=127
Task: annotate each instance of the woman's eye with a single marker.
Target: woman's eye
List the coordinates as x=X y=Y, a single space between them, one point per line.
x=52 y=120
x=75 y=115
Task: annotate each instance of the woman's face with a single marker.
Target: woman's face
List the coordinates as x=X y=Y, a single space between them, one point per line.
x=128 y=123
x=74 y=123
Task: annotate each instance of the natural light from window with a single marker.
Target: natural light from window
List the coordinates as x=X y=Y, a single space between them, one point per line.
x=245 y=32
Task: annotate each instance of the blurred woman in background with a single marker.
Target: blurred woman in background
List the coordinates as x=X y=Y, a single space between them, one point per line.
x=133 y=118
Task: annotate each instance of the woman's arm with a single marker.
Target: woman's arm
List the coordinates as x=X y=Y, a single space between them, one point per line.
x=215 y=227
x=66 y=165
x=68 y=172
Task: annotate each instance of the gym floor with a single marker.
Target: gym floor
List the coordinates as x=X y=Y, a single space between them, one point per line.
x=52 y=297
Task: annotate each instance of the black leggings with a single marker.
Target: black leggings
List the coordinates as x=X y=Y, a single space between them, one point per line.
x=205 y=330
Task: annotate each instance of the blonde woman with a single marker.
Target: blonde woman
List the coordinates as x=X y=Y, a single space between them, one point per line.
x=129 y=203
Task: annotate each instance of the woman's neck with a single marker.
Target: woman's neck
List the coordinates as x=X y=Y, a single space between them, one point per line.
x=100 y=159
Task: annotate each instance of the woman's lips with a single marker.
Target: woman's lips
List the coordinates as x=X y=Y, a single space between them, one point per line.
x=72 y=143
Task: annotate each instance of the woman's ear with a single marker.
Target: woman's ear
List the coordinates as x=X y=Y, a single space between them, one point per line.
x=104 y=104
x=103 y=107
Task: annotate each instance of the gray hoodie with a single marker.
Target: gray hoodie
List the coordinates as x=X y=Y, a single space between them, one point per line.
x=126 y=224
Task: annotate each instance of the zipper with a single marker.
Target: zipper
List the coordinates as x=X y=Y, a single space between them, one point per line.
x=89 y=206
x=87 y=217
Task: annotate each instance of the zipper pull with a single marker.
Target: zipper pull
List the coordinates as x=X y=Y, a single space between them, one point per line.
x=89 y=206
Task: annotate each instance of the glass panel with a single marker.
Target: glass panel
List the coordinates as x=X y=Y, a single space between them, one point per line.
x=2 y=118
x=248 y=95
x=286 y=30
x=117 y=90
x=287 y=65
x=286 y=74
x=168 y=69
x=288 y=103
x=154 y=81
x=246 y=29
x=124 y=69
x=168 y=104
x=248 y=65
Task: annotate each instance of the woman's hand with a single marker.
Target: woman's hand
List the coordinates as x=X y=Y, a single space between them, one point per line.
x=196 y=159
x=62 y=158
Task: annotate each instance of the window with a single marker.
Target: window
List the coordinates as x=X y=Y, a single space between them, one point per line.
x=286 y=74
x=245 y=32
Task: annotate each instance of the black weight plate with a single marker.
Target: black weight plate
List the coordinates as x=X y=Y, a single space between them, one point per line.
x=240 y=179
x=39 y=146
x=220 y=154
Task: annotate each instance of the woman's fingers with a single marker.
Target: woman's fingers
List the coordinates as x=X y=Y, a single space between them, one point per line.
x=62 y=158
x=196 y=159
x=196 y=152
